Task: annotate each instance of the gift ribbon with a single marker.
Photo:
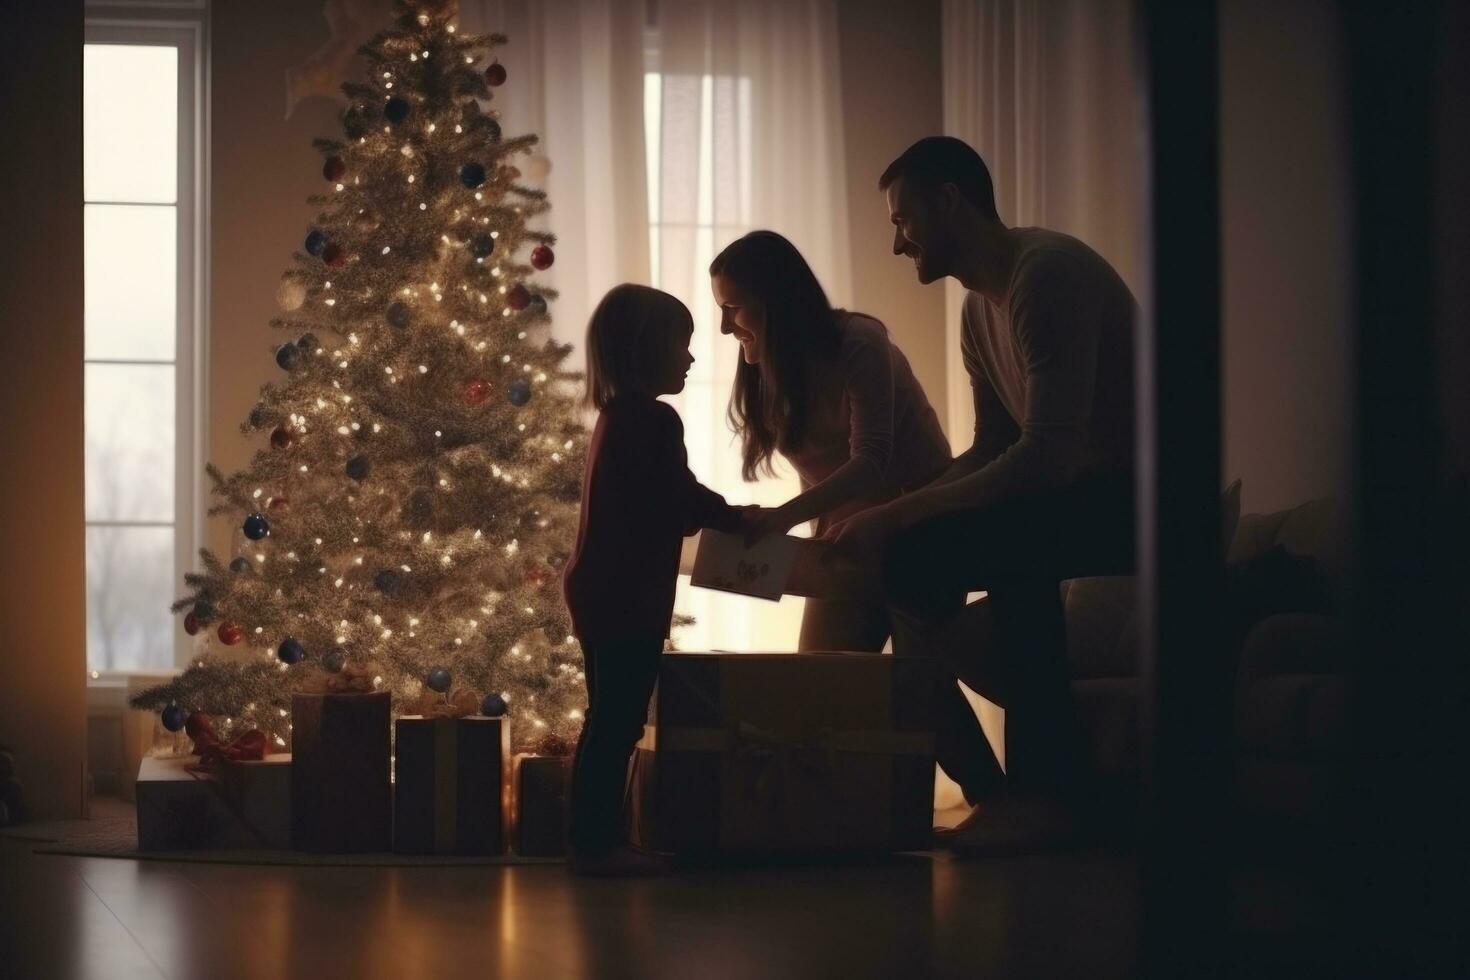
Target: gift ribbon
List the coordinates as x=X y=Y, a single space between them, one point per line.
x=212 y=750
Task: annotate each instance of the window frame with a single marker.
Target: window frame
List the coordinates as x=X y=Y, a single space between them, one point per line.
x=183 y=26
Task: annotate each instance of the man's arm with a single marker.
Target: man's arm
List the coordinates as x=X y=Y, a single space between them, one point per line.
x=1057 y=333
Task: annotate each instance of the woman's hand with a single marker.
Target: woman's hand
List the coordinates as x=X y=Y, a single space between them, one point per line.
x=760 y=522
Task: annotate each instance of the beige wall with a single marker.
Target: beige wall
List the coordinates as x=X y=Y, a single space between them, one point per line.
x=891 y=97
x=263 y=169
x=1285 y=189
x=43 y=598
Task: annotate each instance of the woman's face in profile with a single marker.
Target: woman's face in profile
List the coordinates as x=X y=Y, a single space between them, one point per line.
x=741 y=316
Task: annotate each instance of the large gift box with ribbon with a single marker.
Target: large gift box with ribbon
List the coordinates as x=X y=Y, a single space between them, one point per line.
x=450 y=777
x=341 y=796
x=749 y=752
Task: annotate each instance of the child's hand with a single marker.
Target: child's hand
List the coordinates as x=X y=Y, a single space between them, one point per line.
x=758 y=522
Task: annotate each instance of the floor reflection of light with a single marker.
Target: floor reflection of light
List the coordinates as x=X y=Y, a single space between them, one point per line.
x=506 y=900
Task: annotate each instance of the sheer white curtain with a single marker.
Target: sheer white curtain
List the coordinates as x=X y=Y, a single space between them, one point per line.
x=671 y=129
x=1045 y=91
x=745 y=131
x=576 y=72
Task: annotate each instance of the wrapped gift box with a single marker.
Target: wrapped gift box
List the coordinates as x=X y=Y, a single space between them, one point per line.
x=786 y=752
x=540 y=804
x=258 y=792
x=450 y=775
x=182 y=810
x=341 y=796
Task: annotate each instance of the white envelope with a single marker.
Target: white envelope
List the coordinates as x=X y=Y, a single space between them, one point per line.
x=725 y=564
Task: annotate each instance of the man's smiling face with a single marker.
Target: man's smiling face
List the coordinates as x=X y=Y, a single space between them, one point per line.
x=918 y=230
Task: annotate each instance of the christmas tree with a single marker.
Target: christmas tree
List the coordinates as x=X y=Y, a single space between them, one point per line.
x=415 y=495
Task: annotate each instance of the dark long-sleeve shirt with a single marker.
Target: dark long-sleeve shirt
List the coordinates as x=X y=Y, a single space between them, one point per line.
x=1052 y=371
x=639 y=501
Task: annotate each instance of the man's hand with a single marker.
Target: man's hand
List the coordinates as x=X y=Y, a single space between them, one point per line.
x=860 y=539
x=759 y=522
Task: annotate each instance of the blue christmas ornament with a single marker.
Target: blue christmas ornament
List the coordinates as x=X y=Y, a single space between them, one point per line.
x=173 y=718
x=395 y=110
x=493 y=706
x=307 y=342
x=334 y=660
x=287 y=356
x=472 y=174
x=290 y=651
x=399 y=315
x=256 y=526
x=240 y=565
x=438 y=679
x=316 y=240
x=358 y=467
x=481 y=246
x=538 y=304
x=519 y=392
x=388 y=581
x=257 y=417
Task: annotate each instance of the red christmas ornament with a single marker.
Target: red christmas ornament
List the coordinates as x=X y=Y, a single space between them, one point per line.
x=281 y=437
x=231 y=633
x=279 y=503
x=476 y=391
x=334 y=255
x=191 y=623
x=197 y=724
x=495 y=75
x=542 y=256
x=334 y=168
x=518 y=298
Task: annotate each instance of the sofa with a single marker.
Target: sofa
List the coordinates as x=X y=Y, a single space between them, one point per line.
x=1284 y=581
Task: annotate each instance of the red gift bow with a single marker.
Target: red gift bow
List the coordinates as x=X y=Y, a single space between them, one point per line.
x=212 y=750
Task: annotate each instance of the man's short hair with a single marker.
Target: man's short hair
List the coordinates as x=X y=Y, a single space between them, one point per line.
x=936 y=160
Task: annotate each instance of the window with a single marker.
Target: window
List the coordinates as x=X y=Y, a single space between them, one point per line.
x=142 y=282
x=707 y=168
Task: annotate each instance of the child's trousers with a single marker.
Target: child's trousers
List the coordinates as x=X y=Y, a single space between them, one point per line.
x=620 y=679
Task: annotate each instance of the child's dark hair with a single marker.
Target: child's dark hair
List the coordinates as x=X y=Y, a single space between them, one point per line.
x=632 y=334
x=768 y=403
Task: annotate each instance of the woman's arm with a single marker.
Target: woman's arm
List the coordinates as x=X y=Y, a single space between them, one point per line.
x=867 y=370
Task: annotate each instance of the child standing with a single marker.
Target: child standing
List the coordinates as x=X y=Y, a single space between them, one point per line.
x=638 y=501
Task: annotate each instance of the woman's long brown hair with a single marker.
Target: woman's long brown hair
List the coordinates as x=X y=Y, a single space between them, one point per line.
x=769 y=403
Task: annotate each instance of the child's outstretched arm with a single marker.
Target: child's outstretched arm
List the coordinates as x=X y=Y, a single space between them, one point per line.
x=699 y=505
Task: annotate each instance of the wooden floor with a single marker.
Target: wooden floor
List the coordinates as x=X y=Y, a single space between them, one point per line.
x=1044 y=916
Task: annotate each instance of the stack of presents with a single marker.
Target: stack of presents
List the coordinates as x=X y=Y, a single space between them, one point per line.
x=743 y=753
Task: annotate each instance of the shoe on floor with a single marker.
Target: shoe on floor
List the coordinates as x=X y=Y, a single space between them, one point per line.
x=622 y=861
x=971 y=819
x=1013 y=826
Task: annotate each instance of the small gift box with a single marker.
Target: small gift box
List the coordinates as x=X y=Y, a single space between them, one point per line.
x=341 y=796
x=180 y=808
x=258 y=792
x=450 y=776
x=786 y=752
x=541 y=783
